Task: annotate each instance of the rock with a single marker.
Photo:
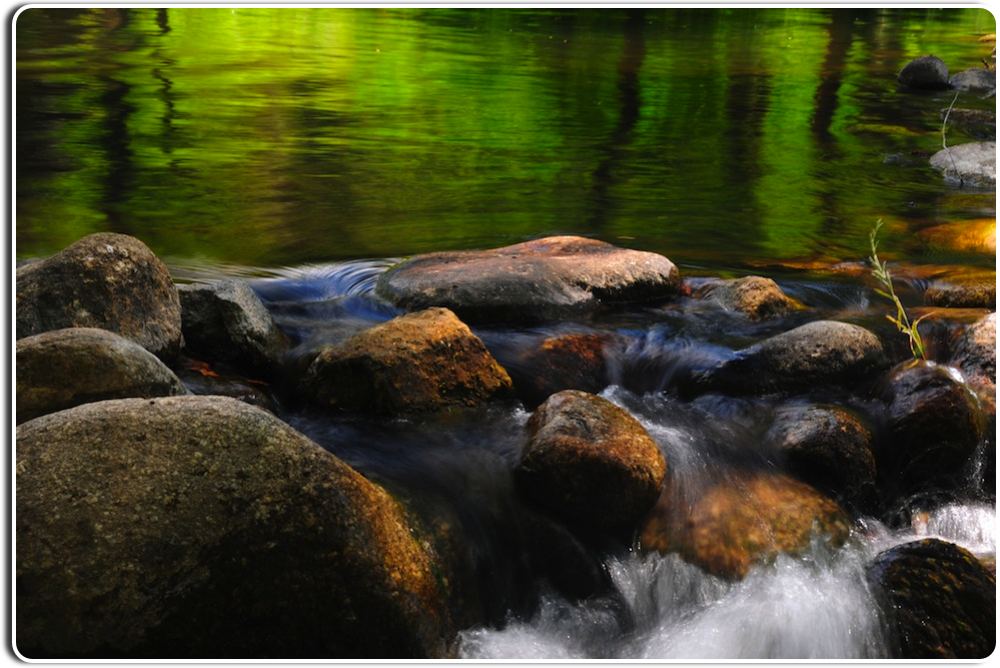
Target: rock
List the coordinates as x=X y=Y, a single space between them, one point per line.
x=961 y=294
x=225 y=321
x=971 y=165
x=969 y=236
x=939 y=599
x=203 y=527
x=425 y=361
x=565 y=362
x=736 y=523
x=536 y=280
x=200 y=378
x=757 y=297
x=79 y=365
x=974 y=79
x=974 y=350
x=925 y=73
x=827 y=447
x=977 y=123
x=821 y=352
x=590 y=463
x=108 y=281
x=934 y=426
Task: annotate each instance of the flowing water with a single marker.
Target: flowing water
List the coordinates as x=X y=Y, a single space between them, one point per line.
x=308 y=150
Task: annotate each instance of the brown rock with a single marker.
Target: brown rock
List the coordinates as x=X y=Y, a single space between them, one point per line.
x=566 y=362
x=79 y=365
x=425 y=361
x=201 y=527
x=758 y=297
x=536 y=280
x=974 y=353
x=108 y=281
x=961 y=294
x=590 y=463
x=736 y=523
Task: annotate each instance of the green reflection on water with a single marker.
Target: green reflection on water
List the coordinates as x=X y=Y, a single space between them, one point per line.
x=271 y=137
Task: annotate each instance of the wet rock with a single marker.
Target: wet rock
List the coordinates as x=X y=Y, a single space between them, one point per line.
x=225 y=321
x=939 y=599
x=108 y=281
x=79 y=365
x=975 y=79
x=757 y=297
x=972 y=165
x=200 y=378
x=424 y=361
x=934 y=426
x=536 y=280
x=961 y=294
x=828 y=447
x=821 y=352
x=974 y=353
x=925 y=73
x=565 y=362
x=590 y=463
x=977 y=123
x=201 y=527
x=970 y=236
x=736 y=523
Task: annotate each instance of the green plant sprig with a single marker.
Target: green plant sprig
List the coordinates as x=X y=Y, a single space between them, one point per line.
x=902 y=322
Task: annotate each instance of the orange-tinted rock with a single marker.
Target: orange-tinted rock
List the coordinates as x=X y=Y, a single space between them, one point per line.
x=758 y=297
x=736 y=523
x=978 y=236
x=424 y=361
x=566 y=362
x=590 y=463
x=535 y=280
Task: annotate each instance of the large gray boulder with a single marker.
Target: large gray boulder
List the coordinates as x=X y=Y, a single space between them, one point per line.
x=225 y=321
x=108 y=281
x=821 y=352
x=536 y=280
x=202 y=527
x=971 y=165
x=79 y=365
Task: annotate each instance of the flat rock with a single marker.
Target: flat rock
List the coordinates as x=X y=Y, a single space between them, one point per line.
x=418 y=362
x=972 y=165
x=201 y=527
x=939 y=599
x=535 y=280
x=68 y=367
x=108 y=281
x=925 y=73
x=590 y=463
x=757 y=297
x=977 y=79
x=960 y=293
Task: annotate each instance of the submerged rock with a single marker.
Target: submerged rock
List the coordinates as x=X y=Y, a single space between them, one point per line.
x=79 y=365
x=977 y=123
x=424 y=361
x=821 y=352
x=827 y=447
x=565 y=362
x=590 y=463
x=925 y=73
x=973 y=164
x=536 y=280
x=200 y=378
x=974 y=79
x=939 y=599
x=108 y=281
x=201 y=527
x=971 y=236
x=738 y=522
x=757 y=297
x=225 y=321
x=934 y=426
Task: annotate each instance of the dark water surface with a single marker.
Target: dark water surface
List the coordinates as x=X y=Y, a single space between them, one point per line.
x=273 y=137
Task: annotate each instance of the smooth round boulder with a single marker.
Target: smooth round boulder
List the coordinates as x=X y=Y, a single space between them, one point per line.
x=822 y=352
x=108 y=281
x=202 y=527
x=977 y=79
x=418 y=362
x=925 y=73
x=828 y=447
x=225 y=321
x=939 y=600
x=934 y=425
x=68 y=367
x=738 y=522
x=972 y=165
x=536 y=280
x=590 y=463
x=757 y=297
x=564 y=362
